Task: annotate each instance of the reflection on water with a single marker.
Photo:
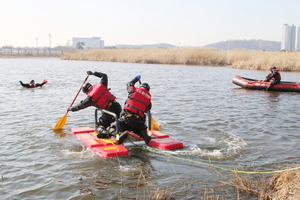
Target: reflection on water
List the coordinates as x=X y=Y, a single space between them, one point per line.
x=274 y=96
x=220 y=124
x=59 y=132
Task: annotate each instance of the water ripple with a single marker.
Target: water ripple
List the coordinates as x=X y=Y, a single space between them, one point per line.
x=217 y=121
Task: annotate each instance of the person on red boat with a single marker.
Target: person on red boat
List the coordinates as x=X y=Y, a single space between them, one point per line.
x=32 y=84
x=274 y=77
x=132 y=117
x=99 y=96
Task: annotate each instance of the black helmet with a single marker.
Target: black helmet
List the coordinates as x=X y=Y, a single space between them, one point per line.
x=146 y=86
x=32 y=81
x=86 y=87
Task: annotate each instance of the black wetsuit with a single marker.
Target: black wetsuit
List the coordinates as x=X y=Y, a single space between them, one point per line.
x=105 y=119
x=27 y=85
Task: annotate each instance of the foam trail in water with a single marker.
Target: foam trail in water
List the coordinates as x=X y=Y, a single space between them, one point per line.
x=83 y=154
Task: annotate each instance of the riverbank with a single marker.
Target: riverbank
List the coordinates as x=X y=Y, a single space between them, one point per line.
x=239 y=59
x=280 y=185
x=15 y=56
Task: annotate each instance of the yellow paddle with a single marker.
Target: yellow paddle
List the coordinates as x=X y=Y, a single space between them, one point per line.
x=154 y=124
x=62 y=121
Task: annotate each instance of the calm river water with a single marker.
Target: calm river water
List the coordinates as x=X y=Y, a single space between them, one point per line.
x=222 y=126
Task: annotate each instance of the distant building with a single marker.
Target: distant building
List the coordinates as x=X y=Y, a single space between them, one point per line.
x=298 y=38
x=88 y=43
x=288 y=41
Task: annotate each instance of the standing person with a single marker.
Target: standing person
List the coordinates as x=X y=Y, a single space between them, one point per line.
x=274 y=78
x=99 y=96
x=32 y=84
x=133 y=117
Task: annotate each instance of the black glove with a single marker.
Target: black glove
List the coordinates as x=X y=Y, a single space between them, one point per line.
x=90 y=73
x=69 y=109
x=20 y=82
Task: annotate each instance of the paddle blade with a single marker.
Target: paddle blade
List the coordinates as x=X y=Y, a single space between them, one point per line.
x=154 y=124
x=61 y=122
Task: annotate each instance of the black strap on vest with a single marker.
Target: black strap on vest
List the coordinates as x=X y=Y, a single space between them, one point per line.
x=108 y=99
x=135 y=107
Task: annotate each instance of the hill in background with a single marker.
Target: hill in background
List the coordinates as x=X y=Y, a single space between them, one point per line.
x=247 y=44
x=148 y=46
x=227 y=45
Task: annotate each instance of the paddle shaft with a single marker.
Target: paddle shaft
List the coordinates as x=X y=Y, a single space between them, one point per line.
x=78 y=91
x=61 y=122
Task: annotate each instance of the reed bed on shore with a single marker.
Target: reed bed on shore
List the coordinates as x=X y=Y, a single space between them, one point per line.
x=240 y=58
x=282 y=185
x=277 y=186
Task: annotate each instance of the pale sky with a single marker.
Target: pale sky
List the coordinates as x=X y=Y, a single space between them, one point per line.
x=135 y=22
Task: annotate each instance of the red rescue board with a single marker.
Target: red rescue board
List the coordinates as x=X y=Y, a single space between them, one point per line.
x=111 y=151
x=160 y=140
x=157 y=134
x=82 y=130
x=89 y=139
x=107 y=147
x=166 y=143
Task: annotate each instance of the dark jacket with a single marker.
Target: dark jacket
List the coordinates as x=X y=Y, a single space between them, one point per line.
x=28 y=85
x=88 y=101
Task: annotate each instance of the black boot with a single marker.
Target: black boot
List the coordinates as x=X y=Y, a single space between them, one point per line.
x=102 y=132
x=122 y=138
x=102 y=135
x=145 y=136
x=112 y=131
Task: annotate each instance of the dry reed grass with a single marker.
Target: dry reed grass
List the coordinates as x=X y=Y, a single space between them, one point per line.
x=149 y=190
x=286 y=185
x=281 y=186
x=240 y=59
x=153 y=192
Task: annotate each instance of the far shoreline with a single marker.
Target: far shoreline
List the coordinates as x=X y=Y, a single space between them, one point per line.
x=238 y=58
x=191 y=56
x=28 y=57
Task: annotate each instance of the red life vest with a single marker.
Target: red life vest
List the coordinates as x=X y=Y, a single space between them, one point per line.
x=138 y=101
x=101 y=95
x=278 y=77
x=32 y=85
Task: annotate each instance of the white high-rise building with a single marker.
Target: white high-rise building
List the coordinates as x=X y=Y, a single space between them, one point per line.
x=285 y=39
x=293 y=38
x=288 y=41
x=298 y=38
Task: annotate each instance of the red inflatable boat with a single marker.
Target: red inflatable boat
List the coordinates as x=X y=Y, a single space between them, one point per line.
x=254 y=84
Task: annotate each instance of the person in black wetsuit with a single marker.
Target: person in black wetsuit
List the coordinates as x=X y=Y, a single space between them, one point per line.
x=32 y=84
x=274 y=77
x=132 y=117
x=99 y=96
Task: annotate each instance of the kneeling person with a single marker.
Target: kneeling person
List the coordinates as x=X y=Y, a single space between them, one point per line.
x=132 y=117
x=99 y=96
